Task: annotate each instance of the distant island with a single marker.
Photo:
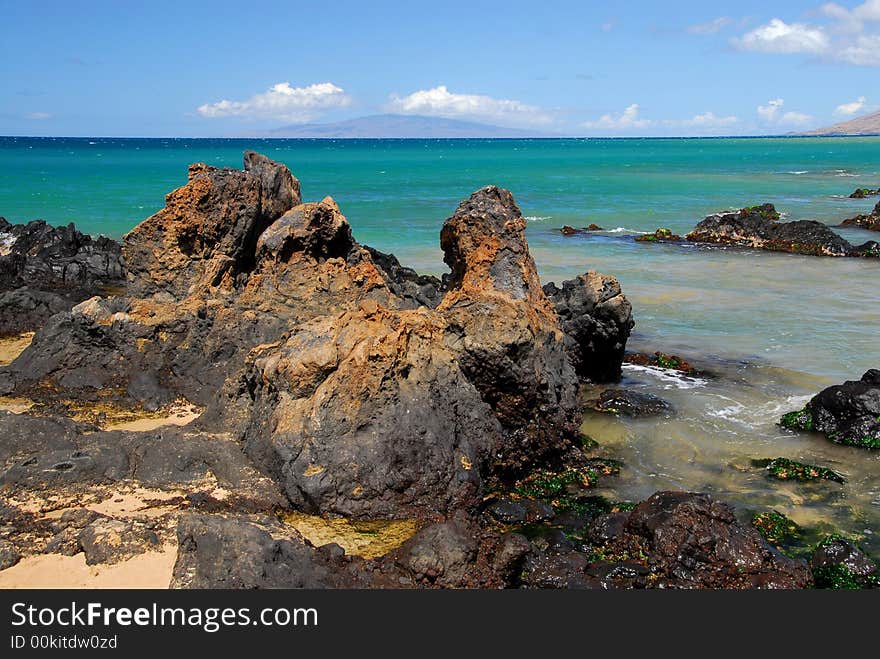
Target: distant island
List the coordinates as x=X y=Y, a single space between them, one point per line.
x=866 y=125
x=399 y=126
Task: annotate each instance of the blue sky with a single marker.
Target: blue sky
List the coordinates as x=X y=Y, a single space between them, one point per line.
x=191 y=68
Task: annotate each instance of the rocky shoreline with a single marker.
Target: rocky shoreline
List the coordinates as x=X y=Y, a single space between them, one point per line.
x=333 y=385
x=758 y=227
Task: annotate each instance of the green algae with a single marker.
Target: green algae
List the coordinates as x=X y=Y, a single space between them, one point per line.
x=785 y=469
x=588 y=444
x=565 y=491
x=761 y=211
x=798 y=420
x=840 y=577
x=780 y=531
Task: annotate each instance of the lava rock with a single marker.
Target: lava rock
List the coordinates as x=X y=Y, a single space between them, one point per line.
x=837 y=562
x=757 y=227
x=597 y=320
x=45 y=270
x=9 y=555
x=847 y=413
x=870 y=221
x=237 y=552
x=661 y=235
x=690 y=540
x=630 y=403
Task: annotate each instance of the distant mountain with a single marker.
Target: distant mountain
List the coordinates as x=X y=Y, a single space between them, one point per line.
x=867 y=125
x=399 y=126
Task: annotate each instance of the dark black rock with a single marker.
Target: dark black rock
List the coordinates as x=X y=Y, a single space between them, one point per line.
x=552 y=570
x=236 y=552
x=848 y=413
x=406 y=283
x=46 y=453
x=442 y=554
x=630 y=403
x=9 y=555
x=507 y=511
x=45 y=269
x=25 y=309
x=861 y=193
x=756 y=227
x=692 y=541
x=597 y=320
x=869 y=221
x=57 y=258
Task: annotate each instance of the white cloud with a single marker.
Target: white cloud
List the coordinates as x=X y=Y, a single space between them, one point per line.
x=854 y=18
x=711 y=27
x=770 y=111
x=628 y=120
x=282 y=102
x=864 y=51
x=708 y=121
x=795 y=119
x=608 y=26
x=772 y=114
x=781 y=37
x=440 y=102
x=849 y=109
x=848 y=36
x=38 y=115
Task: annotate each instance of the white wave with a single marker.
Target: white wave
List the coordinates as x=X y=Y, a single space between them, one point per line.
x=538 y=218
x=670 y=378
x=755 y=416
x=846 y=173
x=633 y=232
x=798 y=172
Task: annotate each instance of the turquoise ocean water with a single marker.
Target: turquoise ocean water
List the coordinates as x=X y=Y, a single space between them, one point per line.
x=777 y=327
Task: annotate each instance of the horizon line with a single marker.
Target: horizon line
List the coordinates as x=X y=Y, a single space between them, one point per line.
x=429 y=137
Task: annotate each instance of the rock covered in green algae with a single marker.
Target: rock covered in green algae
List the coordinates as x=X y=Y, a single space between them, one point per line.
x=791 y=470
x=839 y=564
x=776 y=528
x=661 y=235
x=847 y=413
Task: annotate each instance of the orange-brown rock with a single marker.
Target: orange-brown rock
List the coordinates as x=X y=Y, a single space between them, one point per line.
x=362 y=387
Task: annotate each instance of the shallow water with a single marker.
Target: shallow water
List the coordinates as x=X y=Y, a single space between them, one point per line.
x=719 y=426
x=775 y=328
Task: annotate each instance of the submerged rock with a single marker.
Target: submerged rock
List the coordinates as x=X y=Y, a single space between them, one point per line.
x=663 y=360
x=847 y=413
x=661 y=235
x=870 y=221
x=777 y=529
x=784 y=469
x=630 y=403
x=45 y=270
x=757 y=227
x=572 y=231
